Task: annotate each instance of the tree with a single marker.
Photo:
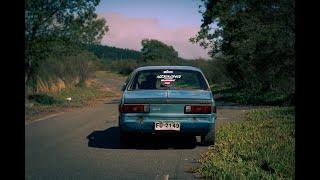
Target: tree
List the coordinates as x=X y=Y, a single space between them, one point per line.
x=59 y=27
x=257 y=39
x=114 y=53
x=156 y=50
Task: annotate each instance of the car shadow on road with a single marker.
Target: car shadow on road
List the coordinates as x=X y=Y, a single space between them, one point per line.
x=109 y=139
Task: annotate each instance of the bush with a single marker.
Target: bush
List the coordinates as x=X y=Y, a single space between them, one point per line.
x=44 y=99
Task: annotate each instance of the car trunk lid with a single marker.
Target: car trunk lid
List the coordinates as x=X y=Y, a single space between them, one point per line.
x=168 y=97
x=188 y=97
x=146 y=97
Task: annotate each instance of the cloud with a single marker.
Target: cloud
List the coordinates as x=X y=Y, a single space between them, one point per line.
x=127 y=32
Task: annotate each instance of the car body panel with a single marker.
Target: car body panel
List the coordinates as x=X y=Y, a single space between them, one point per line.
x=187 y=96
x=145 y=96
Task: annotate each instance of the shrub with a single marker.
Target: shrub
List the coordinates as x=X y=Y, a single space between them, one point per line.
x=44 y=99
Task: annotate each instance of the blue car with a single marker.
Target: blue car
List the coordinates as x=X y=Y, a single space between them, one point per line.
x=167 y=99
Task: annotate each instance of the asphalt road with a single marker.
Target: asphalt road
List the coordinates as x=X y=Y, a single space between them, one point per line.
x=84 y=144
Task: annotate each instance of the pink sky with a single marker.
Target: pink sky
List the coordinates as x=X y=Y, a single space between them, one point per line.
x=127 y=32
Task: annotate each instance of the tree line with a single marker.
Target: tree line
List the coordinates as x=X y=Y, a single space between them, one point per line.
x=108 y=53
x=251 y=42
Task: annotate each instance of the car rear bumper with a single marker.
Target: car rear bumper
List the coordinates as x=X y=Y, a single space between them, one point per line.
x=197 y=125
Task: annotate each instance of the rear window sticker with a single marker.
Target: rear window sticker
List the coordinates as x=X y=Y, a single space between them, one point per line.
x=164 y=76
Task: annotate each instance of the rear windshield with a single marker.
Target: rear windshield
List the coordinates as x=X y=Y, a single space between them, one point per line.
x=168 y=79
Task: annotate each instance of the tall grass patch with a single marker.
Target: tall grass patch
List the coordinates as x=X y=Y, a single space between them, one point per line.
x=80 y=96
x=57 y=73
x=260 y=147
x=229 y=93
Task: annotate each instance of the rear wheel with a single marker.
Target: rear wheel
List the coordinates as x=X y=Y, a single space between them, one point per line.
x=209 y=138
x=123 y=136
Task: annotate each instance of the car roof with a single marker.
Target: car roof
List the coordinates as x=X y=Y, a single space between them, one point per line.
x=168 y=67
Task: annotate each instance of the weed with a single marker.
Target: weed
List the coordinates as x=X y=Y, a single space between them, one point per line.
x=260 y=147
x=247 y=96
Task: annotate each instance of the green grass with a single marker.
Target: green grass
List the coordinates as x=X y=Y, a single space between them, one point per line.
x=80 y=96
x=246 y=96
x=44 y=99
x=260 y=147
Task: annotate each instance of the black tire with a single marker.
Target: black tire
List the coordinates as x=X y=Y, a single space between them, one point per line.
x=123 y=137
x=209 y=138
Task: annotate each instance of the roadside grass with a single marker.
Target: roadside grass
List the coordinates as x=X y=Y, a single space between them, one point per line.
x=48 y=102
x=260 y=147
x=81 y=96
x=246 y=96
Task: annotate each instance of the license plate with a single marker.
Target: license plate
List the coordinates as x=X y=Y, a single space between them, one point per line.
x=167 y=126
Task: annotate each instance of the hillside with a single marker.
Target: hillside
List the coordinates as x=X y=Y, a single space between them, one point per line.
x=114 y=53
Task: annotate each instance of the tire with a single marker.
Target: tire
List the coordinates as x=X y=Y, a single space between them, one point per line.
x=209 y=138
x=123 y=136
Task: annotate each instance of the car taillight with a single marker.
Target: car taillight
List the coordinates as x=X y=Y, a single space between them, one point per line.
x=134 y=108
x=198 y=109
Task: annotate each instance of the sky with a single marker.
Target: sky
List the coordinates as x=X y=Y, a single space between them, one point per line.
x=172 y=22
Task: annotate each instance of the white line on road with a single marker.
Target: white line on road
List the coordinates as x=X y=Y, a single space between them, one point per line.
x=164 y=177
x=44 y=118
